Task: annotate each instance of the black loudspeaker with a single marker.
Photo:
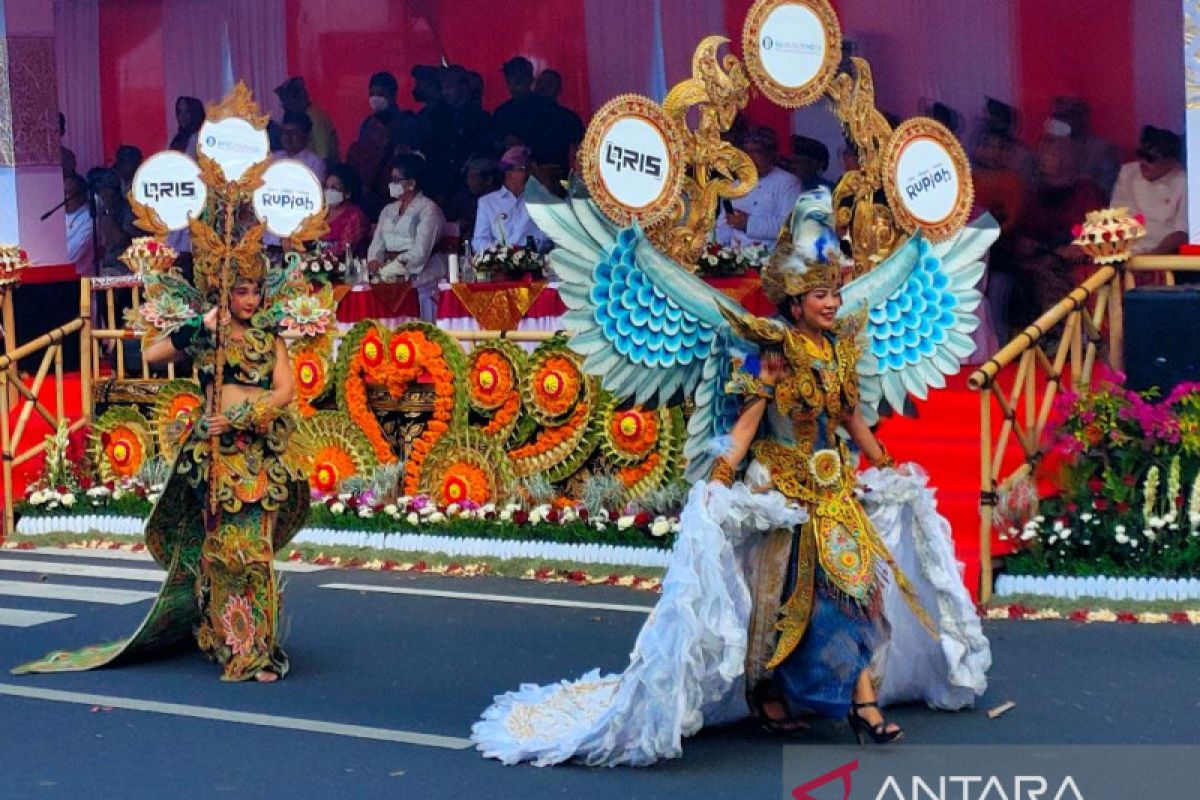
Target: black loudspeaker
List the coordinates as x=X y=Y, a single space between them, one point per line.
x=1162 y=337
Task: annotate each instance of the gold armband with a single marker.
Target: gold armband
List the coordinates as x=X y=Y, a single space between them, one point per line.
x=722 y=471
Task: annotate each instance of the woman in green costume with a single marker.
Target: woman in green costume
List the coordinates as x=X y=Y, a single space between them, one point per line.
x=217 y=542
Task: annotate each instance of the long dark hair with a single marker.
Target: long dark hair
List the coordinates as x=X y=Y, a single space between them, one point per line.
x=180 y=140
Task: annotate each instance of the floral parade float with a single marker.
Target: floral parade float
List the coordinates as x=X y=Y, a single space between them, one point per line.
x=404 y=432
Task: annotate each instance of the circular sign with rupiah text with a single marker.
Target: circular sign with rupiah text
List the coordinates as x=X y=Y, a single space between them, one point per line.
x=927 y=178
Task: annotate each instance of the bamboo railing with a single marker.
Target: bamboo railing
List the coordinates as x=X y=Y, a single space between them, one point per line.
x=1089 y=323
x=26 y=400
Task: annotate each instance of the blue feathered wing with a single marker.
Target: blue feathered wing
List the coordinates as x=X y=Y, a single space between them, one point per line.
x=649 y=329
x=920 y=305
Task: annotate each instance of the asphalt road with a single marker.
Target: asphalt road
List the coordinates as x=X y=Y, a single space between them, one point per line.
x=413 y=672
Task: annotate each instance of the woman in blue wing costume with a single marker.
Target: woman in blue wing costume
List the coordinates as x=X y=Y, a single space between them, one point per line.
x=795 y=587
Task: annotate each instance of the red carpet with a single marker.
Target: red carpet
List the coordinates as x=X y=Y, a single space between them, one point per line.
x=944 y=440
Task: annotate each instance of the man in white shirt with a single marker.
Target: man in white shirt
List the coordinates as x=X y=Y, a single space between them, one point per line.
x=1155 y=186
x=294 y=135
x=502 y=215
x=80 y=251
x=757 y=217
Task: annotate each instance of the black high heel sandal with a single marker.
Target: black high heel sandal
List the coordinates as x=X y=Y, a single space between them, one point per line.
x=861 y=728
x=763 y=695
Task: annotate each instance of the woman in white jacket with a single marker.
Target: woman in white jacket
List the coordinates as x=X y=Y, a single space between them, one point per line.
x=408 y=231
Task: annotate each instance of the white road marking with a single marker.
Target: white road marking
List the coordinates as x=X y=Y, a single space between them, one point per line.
x=491 y=598
x=83 y=594
x=19 y=618
x=240 y=717
x=142 y=555
x=80 y=570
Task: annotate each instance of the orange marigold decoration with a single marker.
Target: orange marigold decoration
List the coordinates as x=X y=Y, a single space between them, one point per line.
x=330 y=466
x=310 y=368
x=555 y=385
x=363 y=353
x=552 y=446
x=465 y=481
x=646 y=445
x=560 y=398
x=633 y=432
x=631 y=476
x=120 y=443
x=463 y=467
x=176 y=406
x=329 y=447
x=493 y=386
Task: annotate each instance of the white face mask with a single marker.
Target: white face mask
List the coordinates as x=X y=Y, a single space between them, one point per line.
x=396 y=189
x=377 y=103
x=333 y=197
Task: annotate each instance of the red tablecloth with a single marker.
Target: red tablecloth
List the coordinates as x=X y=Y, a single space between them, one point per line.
x=378 y=301
x=547 y=304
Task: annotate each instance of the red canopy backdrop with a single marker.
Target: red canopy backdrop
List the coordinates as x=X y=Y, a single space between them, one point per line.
x=1124 y=58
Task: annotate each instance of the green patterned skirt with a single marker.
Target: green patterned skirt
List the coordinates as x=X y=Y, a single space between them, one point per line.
x=220 y=588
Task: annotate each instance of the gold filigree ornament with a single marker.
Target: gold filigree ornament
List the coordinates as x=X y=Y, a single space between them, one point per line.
x=147 y=219
x=632 y=160
x=717 y=90
x=825 y=467
x=859 y=213
x=239 y=103
x=792 y=49
x=927 y=179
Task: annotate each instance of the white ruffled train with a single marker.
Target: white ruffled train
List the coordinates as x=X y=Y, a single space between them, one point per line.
x=686 y=668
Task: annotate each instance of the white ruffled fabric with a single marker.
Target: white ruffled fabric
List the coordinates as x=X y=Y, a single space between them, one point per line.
x=947 y=674
x=684 y=670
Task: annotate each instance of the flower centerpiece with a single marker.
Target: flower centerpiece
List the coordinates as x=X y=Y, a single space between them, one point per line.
x=509 y=261
x=322 y=263
x=720 y=261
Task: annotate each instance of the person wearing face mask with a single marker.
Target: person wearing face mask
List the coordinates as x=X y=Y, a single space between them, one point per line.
x=402 y=126
x=409 y=228
x=349 y=229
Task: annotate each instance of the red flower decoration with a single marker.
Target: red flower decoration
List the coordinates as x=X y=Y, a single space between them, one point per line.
x=1095 y=484
x=521 y=517
x=1079 y=616
x=1122 y=508
x=1126 y=616
x=643 y=519
x=1180 y=618
x=1100 y=504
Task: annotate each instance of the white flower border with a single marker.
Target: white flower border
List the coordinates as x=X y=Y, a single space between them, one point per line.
x=1068 y=587
x=454 y=546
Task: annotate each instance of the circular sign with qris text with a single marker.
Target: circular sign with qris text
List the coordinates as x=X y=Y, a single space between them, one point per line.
x=631 y=160
x=169 y=182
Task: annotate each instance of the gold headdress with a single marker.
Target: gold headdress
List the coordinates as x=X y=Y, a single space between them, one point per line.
x=808 y=253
